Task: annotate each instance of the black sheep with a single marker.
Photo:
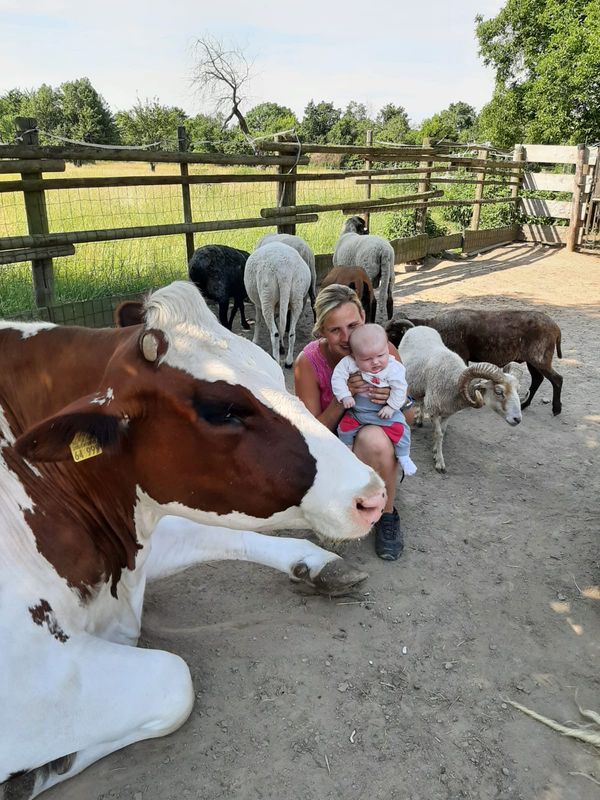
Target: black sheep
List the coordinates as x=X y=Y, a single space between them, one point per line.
x=218 y=272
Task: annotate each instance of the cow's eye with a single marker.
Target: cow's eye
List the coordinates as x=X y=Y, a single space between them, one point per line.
x=219 y=413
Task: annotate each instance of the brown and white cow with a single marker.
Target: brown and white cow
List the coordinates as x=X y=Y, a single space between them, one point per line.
x=182 y=428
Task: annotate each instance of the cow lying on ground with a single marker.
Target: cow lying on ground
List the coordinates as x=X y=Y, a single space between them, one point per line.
x=107 y=439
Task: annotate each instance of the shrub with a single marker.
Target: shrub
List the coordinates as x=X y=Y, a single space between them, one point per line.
x=402 y=224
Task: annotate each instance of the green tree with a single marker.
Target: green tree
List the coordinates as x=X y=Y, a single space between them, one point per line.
x=352 y=126
x=318 y=120
x=546 y=54
x=391 y=112
x=501 y=120
x=206 y=133
x=268 y=118
x=392 y=124
x=84 y=114
x=148 y=122
x=44 y=104
x=455 y=123
x=11 y=104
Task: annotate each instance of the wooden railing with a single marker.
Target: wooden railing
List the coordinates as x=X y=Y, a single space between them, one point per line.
x=429 y=168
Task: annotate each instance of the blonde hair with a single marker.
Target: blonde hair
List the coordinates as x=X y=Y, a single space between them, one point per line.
x=330 y=298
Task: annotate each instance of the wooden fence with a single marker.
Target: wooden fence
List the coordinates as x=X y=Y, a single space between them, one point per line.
x=579 y=163
x=428 y=167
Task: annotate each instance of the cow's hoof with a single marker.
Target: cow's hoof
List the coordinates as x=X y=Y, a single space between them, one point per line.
x=337 y=577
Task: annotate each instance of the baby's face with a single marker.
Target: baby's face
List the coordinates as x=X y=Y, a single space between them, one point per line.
x=373 y=358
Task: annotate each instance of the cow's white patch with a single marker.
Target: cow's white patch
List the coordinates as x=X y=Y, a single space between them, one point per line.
x=33 y=468
x=149 y=511
x=27 y=329
x=10 y=485
x=105 y=398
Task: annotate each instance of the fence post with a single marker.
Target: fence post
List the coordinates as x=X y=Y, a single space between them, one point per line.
x=424 y=186
x=42 y=270
x=286 y=191
x=578 y=187
x=185 y=191
x=481 y=153
x=518 y=155
x=369 y=143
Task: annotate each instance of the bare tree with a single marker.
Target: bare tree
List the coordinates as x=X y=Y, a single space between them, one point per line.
x=219 y=74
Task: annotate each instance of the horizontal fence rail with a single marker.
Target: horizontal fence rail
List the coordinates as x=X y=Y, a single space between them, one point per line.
x=298 y=197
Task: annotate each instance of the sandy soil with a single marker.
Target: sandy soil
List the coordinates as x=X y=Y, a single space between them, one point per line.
x=398 y=691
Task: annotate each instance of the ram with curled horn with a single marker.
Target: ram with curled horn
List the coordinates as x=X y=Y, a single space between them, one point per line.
x=442 y=384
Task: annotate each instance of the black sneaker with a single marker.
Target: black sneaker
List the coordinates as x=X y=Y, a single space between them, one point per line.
x=389 y=541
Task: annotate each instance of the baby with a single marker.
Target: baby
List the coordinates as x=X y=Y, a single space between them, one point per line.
x=371 y=357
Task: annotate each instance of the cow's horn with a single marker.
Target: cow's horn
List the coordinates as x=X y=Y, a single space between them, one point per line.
x=149 y=346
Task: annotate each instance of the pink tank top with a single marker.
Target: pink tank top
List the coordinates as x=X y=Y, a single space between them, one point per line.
x=323 y=372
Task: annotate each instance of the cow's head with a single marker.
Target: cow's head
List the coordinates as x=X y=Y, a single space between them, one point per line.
x=200 y=419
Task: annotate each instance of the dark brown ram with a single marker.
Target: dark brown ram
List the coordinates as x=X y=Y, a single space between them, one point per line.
x=497 y=337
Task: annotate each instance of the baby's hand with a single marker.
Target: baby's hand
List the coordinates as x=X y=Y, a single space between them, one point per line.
x=348 y=402
x=385 y=413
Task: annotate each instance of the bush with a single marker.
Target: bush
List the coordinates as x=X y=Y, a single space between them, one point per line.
x=493 y=215
x=402 y=224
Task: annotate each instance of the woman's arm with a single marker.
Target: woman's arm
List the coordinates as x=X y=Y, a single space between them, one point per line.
x=307 y=390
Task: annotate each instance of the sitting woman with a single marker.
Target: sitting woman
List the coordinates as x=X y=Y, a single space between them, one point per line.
x=338 y=312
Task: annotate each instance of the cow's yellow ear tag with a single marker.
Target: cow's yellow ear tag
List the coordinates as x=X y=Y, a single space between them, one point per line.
x=84 y=446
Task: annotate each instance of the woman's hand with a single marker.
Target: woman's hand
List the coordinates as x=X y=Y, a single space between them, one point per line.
x=377 y=394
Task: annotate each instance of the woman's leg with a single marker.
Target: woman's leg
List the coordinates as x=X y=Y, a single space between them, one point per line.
x=374 y=448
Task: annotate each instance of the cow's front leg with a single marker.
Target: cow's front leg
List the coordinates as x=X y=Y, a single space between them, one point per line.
x=178 y=543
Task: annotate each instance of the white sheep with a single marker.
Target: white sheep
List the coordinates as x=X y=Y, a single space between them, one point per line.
x=276 y=275
x=442 y=384
x=301 y=247
x=356 y=248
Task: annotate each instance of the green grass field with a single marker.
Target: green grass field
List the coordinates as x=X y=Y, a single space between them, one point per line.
x=132 y=265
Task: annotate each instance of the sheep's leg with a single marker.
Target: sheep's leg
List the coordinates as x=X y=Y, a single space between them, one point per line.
x=223 y=309
x=419 y=414
x=373 y=314
x=269 y=318
x=390 y=300
x=311 y=297
x=258 y=323
x=295 y=312
x=245 y=324
x=557 y=382
x=439 y=428
x=238 y=304
x=536 y=379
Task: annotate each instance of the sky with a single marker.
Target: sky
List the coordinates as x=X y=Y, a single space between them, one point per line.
x=420 y=56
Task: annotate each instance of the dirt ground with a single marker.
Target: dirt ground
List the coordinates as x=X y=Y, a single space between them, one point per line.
x=398 y=691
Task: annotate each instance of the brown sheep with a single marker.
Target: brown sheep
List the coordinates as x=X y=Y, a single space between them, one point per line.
x=356 y=278
x=497 y=337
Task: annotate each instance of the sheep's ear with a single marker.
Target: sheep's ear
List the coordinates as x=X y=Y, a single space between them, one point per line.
x=514 y=369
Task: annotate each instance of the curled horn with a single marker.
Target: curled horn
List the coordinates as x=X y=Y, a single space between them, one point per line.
x=488 y=372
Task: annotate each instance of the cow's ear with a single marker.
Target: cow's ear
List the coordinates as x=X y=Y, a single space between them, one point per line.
x=130 y=312
x=85 y=429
